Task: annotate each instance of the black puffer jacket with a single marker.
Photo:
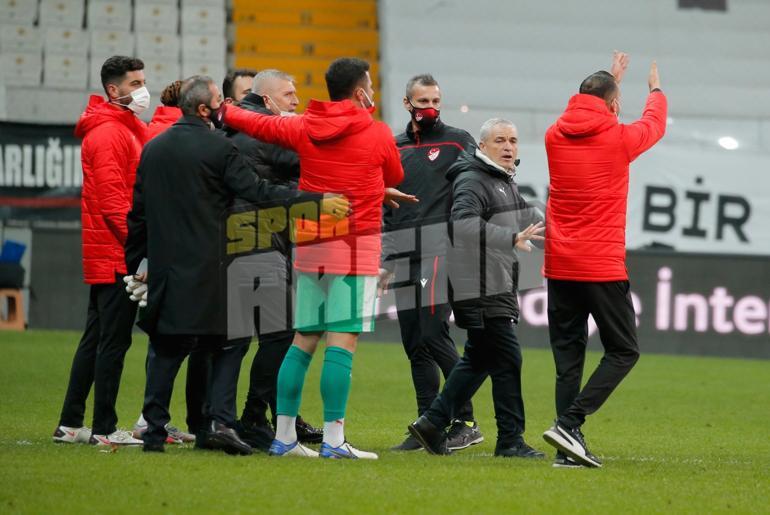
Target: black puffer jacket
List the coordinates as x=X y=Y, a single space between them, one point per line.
x=487 y=212
x=272 y=162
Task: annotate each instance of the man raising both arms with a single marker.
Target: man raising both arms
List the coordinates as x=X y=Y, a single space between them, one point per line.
x=585 y=250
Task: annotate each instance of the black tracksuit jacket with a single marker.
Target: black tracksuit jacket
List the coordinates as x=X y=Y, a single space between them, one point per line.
x=487 y=212
x=426 y=157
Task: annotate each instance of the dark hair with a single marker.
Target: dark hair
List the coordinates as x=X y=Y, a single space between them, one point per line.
x=227 y=84
x=424 y=79
x=344 y=75
x=170 y=95
x=194 y=92
x=600 y=84
x=115 y=68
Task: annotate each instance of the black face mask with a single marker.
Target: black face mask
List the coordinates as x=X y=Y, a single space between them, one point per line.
x=216 y=115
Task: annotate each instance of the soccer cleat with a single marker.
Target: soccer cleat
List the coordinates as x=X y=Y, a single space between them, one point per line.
x=307 y=433
x=345 y=451
x=518 y=450
x=431 y=437
x=278 y=448
x=178 y=435
x=565 y=462
x=571 y=442
x=175 y=435
x=463 y=434
x=410 y=443
x=64 y=434
x=118 y=437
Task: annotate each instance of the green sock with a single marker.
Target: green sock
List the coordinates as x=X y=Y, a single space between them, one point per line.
x=335 y=382
x=291 y=379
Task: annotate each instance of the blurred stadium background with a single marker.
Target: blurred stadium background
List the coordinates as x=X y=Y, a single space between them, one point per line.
x=699 y=205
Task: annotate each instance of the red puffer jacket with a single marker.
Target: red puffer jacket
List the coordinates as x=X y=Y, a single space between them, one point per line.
x=112 y=143
x=588 y=157
x=342 y=149
x=163 y=118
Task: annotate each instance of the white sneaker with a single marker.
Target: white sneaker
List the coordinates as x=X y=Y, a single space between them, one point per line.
x=278 y=448
x=175 y=435
x=345 y=451
x=64 y=434
x=119 y=437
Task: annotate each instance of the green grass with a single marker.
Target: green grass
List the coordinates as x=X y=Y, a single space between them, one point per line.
x=681 y=434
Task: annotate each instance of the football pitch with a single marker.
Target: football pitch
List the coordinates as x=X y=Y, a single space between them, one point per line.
x=681 y=434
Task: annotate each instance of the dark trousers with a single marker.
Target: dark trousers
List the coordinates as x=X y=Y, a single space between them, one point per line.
x=263 y=379
x=569 y=304
x=431 y=352
x=221 y=385
x=198 y=366
x=494 y=351
x=99 y=357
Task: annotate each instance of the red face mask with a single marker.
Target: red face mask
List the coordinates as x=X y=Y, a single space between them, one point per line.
x=425 y=117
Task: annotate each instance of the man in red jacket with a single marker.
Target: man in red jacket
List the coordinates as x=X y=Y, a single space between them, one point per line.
x=113 y=137
x=588 y=157
x=344 y=150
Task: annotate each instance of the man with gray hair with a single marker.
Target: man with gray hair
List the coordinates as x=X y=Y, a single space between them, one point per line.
x=186 y=179
x=272 y=93
x=490 y=220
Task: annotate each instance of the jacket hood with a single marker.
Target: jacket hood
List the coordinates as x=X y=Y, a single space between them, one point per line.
x=166 y=114
x=100 y=111
x=330 y=120
x=469 y=162
x=586 y=115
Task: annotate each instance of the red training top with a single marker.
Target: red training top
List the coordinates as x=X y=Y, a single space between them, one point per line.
x=588 y=157
x=342 y=149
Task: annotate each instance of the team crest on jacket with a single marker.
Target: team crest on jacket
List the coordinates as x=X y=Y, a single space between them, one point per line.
x=433 y=153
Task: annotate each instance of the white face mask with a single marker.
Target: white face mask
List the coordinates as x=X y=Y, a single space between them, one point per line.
x=280 y=111
x=368 y=99
x=140 y=100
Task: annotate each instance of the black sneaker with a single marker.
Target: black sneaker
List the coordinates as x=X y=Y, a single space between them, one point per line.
x=518 y=450
x=430 y=437
x=225 y=438
x=571 y=442
x=462 y=435
x=562 y=461
x=153 y=447
x=258 y=436
x=307 y=433
x=410 y=443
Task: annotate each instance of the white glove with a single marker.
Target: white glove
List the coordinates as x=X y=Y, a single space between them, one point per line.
x=139 y=292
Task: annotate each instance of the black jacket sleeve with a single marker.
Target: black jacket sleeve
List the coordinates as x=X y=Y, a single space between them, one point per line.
x=468 y=208
x=243 y=183
x=284 y=163
x=467 y=141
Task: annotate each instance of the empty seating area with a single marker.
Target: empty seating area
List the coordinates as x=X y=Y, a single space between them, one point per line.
x=302 y=37
x=51 y=51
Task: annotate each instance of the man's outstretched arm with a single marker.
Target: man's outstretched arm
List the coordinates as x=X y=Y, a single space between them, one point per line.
x=279 y=130
x=650 y=128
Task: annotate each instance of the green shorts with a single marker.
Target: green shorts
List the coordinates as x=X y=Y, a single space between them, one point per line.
x=338 y=303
